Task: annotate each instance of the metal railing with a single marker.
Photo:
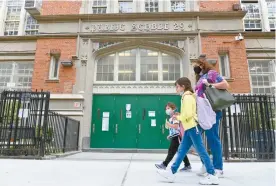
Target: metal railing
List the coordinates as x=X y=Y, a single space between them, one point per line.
x=248 y=128
x=62 y=134
x=27 y=127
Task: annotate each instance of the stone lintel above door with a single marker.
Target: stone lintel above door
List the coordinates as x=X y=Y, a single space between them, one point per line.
x=134 y=88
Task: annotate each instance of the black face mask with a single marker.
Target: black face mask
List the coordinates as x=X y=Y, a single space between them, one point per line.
x=197 y=69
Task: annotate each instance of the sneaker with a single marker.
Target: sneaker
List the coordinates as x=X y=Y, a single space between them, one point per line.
x=160 y=166
x=202 y=171
x=219 y=173
x=186 y=169
x=209 y=180
x=167 y=174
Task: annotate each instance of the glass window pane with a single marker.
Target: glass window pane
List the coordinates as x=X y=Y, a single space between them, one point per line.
x=125 y=6
x=252 y=20
x=262 y=75
x=105 y=68
x=151 y=5
x=127 y=65
x=178 y=6
x=171 y=67
x=149 y=65
x=19 y=73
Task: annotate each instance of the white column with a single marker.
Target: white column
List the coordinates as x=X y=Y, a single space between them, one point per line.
x=138 y=66
x=109 y=7
x=264 y=16
x=160 y=68
x=161 y=5
x=195 y=5
x=141 y=6
x=21 y=27
x=167 y=6
x=116 y=67
x=135 y=5
x=114 y=6
x=3 y=13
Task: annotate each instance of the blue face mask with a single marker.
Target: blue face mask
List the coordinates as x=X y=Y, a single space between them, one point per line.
x=169 y=112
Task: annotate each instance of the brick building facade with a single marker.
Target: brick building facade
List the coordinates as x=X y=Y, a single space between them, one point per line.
x=79 y=48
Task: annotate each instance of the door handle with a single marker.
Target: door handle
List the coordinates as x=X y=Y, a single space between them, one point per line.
x=116 y=129
x=139 y=129
x=93 y=128
x=144 y=114
x=163 y=129
x=99 y=113
x=121 y=114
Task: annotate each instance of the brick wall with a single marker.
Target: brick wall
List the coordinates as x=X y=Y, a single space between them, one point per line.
x=67 y=75
x=212 y=45
x=50 y=7
x=219 y=5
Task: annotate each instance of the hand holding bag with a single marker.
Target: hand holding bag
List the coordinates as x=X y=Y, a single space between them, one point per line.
x=219 y=99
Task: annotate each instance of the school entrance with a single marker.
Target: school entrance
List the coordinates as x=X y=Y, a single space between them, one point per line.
x=130 y=121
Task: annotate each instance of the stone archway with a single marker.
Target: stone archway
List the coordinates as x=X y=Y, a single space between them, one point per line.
x=90 y=50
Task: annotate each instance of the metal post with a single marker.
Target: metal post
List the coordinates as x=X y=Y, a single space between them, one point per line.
x=225 y=135
x=45 y=123
x=65 y=134
x=78 y=135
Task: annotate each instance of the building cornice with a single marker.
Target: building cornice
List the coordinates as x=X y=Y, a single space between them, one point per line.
x=35 y=37
x=259 y=35
x=141 y=16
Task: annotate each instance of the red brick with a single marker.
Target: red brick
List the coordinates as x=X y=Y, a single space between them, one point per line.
x=67 y=75
x=50 y=7
x=218 y=6
x=237 y=58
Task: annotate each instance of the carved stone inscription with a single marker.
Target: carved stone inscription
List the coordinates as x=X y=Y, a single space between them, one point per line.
x=139 y=26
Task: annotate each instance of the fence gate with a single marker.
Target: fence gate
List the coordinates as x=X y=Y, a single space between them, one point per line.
x=23 y=117
x=248 y=128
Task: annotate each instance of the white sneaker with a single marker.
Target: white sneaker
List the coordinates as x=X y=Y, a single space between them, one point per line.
x=219 y=173
x=202 y=171
x=167 y=174
x=209 y=180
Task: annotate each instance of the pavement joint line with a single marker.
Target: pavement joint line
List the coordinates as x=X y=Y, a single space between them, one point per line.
x=125 y=176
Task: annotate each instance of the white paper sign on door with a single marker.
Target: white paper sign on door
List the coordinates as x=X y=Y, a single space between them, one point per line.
x=151 y=113
x=128 y=114
x=105 y=124
x=128 y=107
x=153 y=122
x=105 y=114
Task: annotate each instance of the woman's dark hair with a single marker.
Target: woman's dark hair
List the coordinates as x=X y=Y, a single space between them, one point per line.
x=205 y=65
x=171 y=105
x=184 y=81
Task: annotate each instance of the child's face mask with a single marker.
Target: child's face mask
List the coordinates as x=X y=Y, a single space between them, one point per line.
x=169 y=111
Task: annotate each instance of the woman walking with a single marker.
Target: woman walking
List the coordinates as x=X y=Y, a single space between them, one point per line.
x=192 y=135
x=174 y=133
x=207 y=76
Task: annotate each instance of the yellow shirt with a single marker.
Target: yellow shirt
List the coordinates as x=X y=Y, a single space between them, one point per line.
x=188 y=115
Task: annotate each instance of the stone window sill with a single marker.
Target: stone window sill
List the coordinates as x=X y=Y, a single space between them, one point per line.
x=52 y=81
x=229 y=79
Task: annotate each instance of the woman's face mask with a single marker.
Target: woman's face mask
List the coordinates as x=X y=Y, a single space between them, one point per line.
x=197 y=69
x=169 y=111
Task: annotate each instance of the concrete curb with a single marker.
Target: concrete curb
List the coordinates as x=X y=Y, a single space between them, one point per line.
x=49 y=157
x=156 y=151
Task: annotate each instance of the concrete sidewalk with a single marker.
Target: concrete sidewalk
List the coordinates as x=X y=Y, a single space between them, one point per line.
x=106 y=169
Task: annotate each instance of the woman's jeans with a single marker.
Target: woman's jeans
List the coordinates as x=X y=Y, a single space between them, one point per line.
x=214 y=143
x=192 y=137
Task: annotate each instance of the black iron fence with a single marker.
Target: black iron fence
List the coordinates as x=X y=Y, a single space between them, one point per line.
x=62 y=134
x=248 y=128
x=27 y=127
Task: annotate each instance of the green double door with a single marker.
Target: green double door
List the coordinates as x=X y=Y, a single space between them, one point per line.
x=130 y=121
